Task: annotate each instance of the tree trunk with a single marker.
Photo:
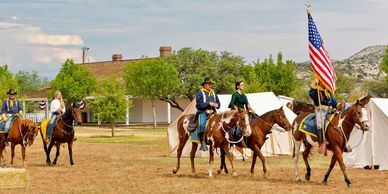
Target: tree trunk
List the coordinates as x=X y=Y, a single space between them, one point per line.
x=112 y=126
x=154 y=112
x=173 y=103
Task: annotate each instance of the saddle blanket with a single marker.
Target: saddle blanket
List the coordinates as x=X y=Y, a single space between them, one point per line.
x=11 y=119
x=43 y=127
x=309 y=126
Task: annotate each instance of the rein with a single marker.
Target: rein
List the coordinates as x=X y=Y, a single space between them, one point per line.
x=62 y=130
x=24 y=137
x=227 y=133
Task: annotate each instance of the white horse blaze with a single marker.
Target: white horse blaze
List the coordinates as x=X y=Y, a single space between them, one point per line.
x=186 y=122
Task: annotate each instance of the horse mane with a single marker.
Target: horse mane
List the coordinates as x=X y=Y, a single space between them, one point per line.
x=263 y=116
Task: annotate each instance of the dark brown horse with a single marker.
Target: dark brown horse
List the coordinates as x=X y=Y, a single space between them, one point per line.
x=261 y=127
x=23 y=132
x=337 y=135
x=226 y=120
x=302 y=107
x=63 y=132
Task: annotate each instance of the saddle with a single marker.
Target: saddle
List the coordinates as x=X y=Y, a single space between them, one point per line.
x=308 y=124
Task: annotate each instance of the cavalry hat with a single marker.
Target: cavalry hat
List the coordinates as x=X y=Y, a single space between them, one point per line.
x=11 y=92
x=207 y=80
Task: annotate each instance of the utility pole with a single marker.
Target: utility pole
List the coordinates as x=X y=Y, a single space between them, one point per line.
x=84 y=53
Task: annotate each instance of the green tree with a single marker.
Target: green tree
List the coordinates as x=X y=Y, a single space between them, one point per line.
x=153 y=79
x=344 y=85
x=193 y=65
x=279 y=78
x=7 y=81
x=74 y=81
x=110 y=103
x=30 y=81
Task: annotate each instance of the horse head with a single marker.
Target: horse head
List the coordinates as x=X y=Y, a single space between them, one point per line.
x=358 y=114
x=281 y=119
x=31 y=130
x=75 y=113
x=243 y=122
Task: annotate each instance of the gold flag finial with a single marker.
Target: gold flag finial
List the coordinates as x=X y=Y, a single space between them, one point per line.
x=308 y=8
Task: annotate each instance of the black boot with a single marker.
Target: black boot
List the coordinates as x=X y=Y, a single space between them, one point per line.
x=203 y=142
x=319 y=135
x=6 y=139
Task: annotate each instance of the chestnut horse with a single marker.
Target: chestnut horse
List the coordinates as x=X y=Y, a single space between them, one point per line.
x=337 y=136
x=261 y=127
x=218 y=133
x=23 y=132
x=227 y=120
x=63 y=132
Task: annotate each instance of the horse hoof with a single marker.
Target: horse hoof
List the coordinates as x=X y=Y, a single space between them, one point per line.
x=174 y=171
x=324 y=183
x=349 y=185
x=298 y=181
x=193 y=174
x=73 y=165
x=219 y=171
x=211 y=176
x=226 y=172
x=307 y=177
x=234 y=174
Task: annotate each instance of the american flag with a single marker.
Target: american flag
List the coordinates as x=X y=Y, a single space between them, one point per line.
x=320 y=60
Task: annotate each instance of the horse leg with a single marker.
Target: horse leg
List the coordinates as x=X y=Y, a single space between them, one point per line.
x=211 y=159
x=58 y=146
x=254 y=157
x=261 y=156
x=306 y=154
x=192 y=157
x=332 y=163
x=223 y=164
x=297 y=145
x=12 y=152
x=23 y=155
x=48 y=160
x=70 y=147
x=338 y=153
x=182 y=143
x=230 y=157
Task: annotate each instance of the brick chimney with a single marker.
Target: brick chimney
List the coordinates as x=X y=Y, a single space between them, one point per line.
x=117 y=57
x=165 y=51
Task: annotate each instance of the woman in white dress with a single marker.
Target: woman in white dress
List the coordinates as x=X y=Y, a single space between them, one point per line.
x=57 y=107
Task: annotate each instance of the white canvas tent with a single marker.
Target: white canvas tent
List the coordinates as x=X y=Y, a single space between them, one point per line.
x=277 y=143
x=374 y=146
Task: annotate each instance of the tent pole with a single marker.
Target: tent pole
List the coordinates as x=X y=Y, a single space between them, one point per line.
x=272 y=144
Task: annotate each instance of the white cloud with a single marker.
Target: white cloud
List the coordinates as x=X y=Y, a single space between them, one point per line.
x=28 y=34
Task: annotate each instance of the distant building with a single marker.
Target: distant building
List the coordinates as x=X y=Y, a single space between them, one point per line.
x=141 y=111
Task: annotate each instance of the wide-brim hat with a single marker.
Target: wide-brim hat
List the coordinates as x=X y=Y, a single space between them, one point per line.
x=206 y=81
x=12 y=92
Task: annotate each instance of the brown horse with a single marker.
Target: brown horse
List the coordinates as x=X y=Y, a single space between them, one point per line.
x=63 y=132
x=261 y=127
x=218 y=132
x=23 y=132
x=229 y=120
x=337 y=135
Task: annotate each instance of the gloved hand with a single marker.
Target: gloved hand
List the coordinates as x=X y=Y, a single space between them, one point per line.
x=20 y=113
x=4 y=117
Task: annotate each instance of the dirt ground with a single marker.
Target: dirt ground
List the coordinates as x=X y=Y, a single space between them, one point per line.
x=137 y=163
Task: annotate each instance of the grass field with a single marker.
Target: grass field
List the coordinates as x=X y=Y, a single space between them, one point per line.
x=135 y=162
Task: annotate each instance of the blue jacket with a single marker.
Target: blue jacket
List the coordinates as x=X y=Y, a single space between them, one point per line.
x=327 y=101
x=6 y=109
x=203 y=105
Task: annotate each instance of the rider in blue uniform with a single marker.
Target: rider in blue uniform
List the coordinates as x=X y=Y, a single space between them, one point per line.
x=327 y=102
x=10 y=108
x=206 y=103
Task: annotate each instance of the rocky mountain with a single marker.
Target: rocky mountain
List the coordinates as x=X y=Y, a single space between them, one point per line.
x=363 y=65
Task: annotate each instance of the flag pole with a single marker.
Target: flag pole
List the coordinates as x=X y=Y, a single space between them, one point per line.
x=322 y=148
x=308 y=8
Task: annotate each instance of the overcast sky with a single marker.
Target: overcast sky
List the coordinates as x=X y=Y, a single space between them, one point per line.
x=40 y=34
